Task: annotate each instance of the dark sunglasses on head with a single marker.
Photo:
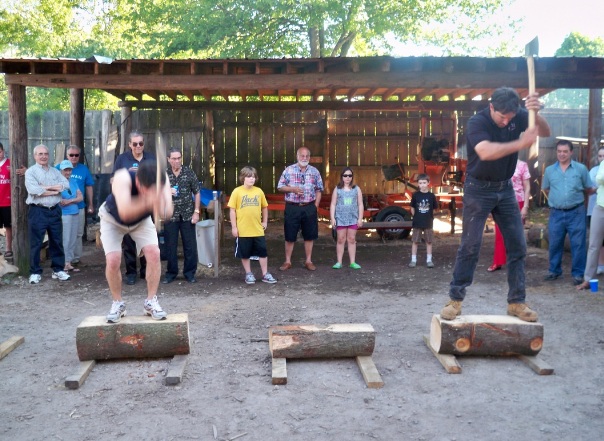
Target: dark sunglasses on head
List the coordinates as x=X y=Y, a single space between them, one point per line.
x=136 y=144
x=74 y=155
x=347 y=176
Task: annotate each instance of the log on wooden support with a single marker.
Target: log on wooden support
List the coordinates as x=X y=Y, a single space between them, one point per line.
x=176 y=369
x=9 y=345
x=76 y=380
x=449 y=362
x=372 y=377
x=279 y=373
x=133 y=337
x=315 y=341
x=485 y=335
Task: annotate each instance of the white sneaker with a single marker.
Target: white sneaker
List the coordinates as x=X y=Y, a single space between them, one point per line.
x=61 y=275
x=35 y=279
x=118 y=310
x=153 y=309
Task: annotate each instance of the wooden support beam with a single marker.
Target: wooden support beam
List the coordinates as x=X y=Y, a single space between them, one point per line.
x=369 y=371
x=279 y=371
x=6 y=347
x=76 y=380
x=315 y=341
x=176 y=369
x=132 y=337
x=537 y=364
x=449 y=362
x=485 y=335
x=76 y=119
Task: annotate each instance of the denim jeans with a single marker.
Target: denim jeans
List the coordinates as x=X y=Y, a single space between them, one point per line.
x=572 y=222
x=189 y=248
x=41 y=221
x=482 y=198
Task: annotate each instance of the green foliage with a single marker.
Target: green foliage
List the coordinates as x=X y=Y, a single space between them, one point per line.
x=575 y=45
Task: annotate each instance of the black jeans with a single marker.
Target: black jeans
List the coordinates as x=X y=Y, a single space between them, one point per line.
x=129 y=252
x=189 y=247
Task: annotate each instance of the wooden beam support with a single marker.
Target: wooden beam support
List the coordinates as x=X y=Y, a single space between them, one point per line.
x=176 y=369
x=372 y=377
x=537 y=364
x=6 y=347
x=76 y=119
x=76 y=380
x=132 y=337
x=279 y=371
x=449 y=362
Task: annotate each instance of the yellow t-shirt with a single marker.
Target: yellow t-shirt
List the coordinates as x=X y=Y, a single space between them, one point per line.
x=248 y=205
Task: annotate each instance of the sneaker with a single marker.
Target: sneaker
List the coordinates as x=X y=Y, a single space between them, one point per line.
x=355 y=265
x=61 y=275
x=338 y=265
x=250 y=279
x=412 y=264
x=34 y=279
x=118 y=310
x=522 y=311
x=254 y=258
x=599 y=272
x=451 y=310
x=430 y=264
x=153 y=309
x=268 y=278
x=552 y=276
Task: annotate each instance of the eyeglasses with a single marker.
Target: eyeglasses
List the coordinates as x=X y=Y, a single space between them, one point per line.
x=74 y=155
x=347 y=176
x=136 y=144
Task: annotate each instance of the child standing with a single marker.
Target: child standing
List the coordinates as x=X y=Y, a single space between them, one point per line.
x=423 y=203
x=249 y=218
x=346 y=212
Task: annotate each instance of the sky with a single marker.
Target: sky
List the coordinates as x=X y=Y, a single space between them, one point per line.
x=550 y=20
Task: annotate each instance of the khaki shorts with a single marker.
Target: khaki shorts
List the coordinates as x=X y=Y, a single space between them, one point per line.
x=428 y=234
x=112 y=232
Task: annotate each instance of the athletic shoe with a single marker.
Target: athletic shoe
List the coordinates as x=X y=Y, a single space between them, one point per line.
x=430 y=264
x=61 y=275
x=34 y=279
x=338 y=265
x=250 y=279
x=153 y=309
x=451 y=310
x=355 y=265
x=118 y=310
x=268 y=278
x=600 y=269
x=412 y=264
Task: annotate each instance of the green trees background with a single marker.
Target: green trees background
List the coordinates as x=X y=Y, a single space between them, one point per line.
x=123 y=29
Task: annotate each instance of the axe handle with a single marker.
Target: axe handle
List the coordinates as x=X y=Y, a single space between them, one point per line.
x=530 y=64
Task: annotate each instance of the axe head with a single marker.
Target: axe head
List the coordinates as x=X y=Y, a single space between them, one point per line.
x=532 y=48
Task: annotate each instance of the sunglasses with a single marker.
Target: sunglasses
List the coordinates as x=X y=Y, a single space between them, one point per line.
x=74 y=155
x=347 y=176
x=136 y=144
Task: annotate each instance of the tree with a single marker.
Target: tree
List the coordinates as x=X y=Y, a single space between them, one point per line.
x=574 y=45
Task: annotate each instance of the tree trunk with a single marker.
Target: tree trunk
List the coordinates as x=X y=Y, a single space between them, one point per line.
x=314 y=42
x=485 y=335
x=314 y=341
x=132 y=337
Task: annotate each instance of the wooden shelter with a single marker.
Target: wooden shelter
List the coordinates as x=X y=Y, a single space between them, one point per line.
x=360 y=84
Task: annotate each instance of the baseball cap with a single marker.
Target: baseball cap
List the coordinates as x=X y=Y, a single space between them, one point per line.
x=65 y=164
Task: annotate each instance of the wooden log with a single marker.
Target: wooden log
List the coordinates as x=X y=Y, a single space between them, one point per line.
x=76 y=380
x=279 y=371
x=372 y=377
x=133 y=337
x=315 y=341
x=177 y=369
x=485 y=335
x=9 y=345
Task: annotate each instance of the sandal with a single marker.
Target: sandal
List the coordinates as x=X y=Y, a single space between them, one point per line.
x=8 y=254
x=70 y=268
x=337 y=266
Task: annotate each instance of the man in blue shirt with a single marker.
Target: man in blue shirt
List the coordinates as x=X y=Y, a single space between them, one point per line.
x=566 y=183
x=83 y=178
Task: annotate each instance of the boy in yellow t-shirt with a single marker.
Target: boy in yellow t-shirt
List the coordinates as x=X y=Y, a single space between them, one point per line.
x=249 y=219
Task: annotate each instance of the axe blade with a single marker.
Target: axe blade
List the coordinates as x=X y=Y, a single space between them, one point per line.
x=532 y=48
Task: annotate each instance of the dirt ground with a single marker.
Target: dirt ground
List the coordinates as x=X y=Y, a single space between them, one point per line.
x=226 y=392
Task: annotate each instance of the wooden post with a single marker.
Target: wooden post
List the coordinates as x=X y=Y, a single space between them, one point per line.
x=594 y=127
x=315 y=341
x=76 y=119
x=217 y=232
x=17 y=140
x=108 y=143
x=132 y=337
x=485 y=335
x=126 y=128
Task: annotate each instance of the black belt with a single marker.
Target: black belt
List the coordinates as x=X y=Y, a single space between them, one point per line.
x=44 y=206
x=568 y=209
x=300 y=204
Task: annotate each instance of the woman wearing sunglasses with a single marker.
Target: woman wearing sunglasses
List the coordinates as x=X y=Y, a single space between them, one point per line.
x=346 y=213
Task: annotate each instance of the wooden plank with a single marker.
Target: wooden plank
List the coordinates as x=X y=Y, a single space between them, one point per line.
x=76 y=380
x=449 y=362
x=321 y=341
x=485 y=335
x=537 y=364
x=176 y=369
x=372 y=377
x=132 y=337
x=9 y=345
x=279 y=372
